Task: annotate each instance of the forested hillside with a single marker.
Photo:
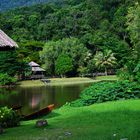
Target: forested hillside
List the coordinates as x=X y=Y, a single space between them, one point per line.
x=72 y=26
x=10 y=4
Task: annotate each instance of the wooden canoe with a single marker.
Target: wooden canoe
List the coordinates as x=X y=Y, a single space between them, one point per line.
x=39 y=113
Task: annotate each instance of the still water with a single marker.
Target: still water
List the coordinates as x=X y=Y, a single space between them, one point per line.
x=35 y=98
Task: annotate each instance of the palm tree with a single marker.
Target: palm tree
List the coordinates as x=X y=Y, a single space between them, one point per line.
x=104 y=60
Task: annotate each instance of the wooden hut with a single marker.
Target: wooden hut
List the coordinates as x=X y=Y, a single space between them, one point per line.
x=6 y=43
x=37 y=71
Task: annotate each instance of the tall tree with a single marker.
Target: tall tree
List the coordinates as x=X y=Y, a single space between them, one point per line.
x=133 y=27
x=133 y=22
x=63 y=64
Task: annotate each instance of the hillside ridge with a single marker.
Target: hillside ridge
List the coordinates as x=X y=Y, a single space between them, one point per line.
x=11 y=4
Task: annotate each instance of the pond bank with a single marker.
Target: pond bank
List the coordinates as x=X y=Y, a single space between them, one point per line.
x=64 y=81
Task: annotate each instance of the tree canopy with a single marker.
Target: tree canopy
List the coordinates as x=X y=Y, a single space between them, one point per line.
x=63 y=65
x=75 y=28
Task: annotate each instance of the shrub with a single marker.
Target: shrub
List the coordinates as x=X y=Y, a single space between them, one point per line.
x=131 y=71
x=108 y=91
x=5 y=79
x=8 y=117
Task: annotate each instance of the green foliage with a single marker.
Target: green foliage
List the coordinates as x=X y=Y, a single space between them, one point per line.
x=131 y=68
x=8 y=118
x=82 y=70
x=8 y=62
x=63 y=64
x=98 y=25
x=123 y=74
x=108 y=91
x=72 y=47
x=29 y=51
x=6 y=79
x=133 y=23
x=12 y=63
x=104 y=60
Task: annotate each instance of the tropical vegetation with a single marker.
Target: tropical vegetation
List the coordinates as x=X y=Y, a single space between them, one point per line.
x=82 y=29
x=6 y=79
x=69 y=38
x=104 y=60
x=108 y=91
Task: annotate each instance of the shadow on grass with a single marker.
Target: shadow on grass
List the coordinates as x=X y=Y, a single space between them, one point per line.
x=52 y=115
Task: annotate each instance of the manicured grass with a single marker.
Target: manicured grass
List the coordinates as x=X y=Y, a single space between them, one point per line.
x=65 y=81
x=106 y=121
x=109 y=77
x=70 y=81
x=30 y=83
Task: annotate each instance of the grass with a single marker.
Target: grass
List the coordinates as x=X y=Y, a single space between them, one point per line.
x=106 y=121
x=109 y=77
x=30 y=83
x=64 y=81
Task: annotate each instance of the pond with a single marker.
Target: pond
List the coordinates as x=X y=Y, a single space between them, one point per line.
x=35 y=98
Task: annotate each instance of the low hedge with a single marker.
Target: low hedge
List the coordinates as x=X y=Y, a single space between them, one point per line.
x=108 y=91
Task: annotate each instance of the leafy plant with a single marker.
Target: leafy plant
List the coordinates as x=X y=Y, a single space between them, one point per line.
x=6 y=79
x=108 y=91
x=8 y=117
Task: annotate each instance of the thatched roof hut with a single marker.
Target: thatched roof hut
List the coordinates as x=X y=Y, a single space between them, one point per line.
x=35 y=67
x=37 y=71
x=6 y=41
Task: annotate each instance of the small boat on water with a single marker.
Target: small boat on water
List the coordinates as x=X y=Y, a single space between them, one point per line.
x=37 y=114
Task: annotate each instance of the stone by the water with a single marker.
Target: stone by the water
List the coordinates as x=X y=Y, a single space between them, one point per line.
x=41 y=123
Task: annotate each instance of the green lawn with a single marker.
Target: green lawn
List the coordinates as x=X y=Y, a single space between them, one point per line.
x=106 y=121
x=65 y=81
x=109 y=77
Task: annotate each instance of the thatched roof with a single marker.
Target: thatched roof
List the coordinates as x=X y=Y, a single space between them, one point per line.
x=35 y=67
x=33 y=64
x=6 y=41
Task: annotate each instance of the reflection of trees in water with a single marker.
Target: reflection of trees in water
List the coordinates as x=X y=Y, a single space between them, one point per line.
x=66 y=94
x=69 y=93
x=36 y=98
x=6 y=95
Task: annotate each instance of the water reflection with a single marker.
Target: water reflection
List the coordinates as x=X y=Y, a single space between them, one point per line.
x=36 y=98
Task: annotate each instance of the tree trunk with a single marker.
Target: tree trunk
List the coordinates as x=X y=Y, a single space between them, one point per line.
x=105 y=71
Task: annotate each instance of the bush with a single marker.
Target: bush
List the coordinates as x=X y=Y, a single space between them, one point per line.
x=108 y=91
x=8 y=117
x=130 y=72
x=5 y=79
